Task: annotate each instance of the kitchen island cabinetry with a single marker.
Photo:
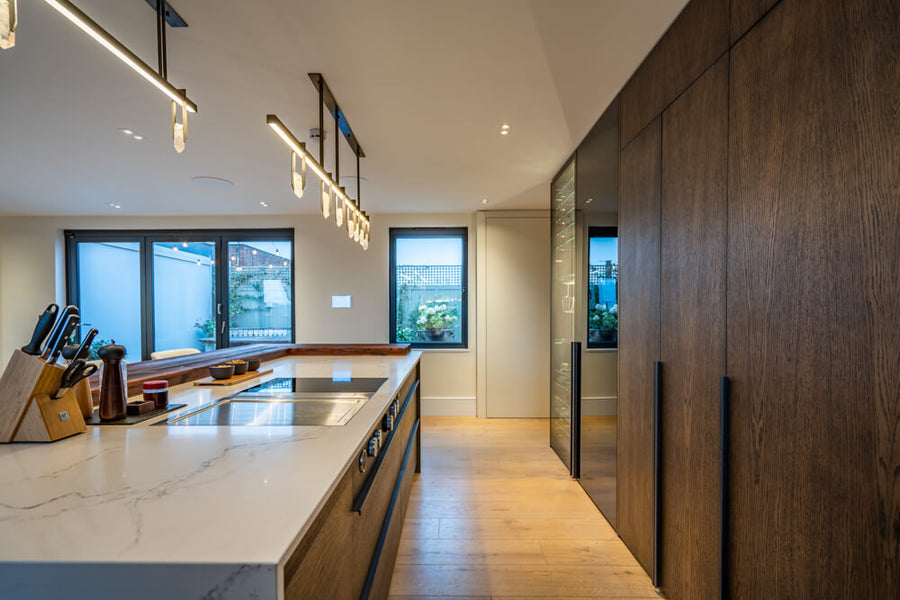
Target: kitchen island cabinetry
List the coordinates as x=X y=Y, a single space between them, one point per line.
x=225 y=512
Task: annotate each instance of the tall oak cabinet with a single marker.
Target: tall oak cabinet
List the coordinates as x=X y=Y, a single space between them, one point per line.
x=759 y=224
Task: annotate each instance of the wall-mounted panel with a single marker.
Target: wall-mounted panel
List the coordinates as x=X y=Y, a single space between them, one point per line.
x=695 y=40
x=639 y=181
x=814 y=302
x=692 y=334
x=744 y=13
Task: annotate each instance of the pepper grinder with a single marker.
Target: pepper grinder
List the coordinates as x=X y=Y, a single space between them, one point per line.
x=113 y=391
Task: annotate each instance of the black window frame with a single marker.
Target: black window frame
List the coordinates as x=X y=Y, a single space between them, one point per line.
x=396 y=233
x=146 y=238
x=603 y=231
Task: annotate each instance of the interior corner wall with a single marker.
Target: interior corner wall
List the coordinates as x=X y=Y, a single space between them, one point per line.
x=32 y=275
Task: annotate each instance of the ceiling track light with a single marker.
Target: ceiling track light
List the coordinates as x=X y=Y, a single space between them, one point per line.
x=347 y=212
x=8 y=22
x=158 y=80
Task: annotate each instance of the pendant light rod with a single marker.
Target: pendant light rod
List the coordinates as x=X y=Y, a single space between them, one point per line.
x=337 y=113
x=102 y=37
x=161 y=56
x=320 y=85
x=358 y=187
x=337 y=149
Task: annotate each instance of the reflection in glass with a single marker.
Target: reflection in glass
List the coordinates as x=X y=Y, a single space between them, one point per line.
x=603 y=277
x=259 y=292
x=184 y=295
x=562 y=320
x=109 y=290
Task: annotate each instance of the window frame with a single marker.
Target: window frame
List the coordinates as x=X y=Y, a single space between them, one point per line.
x=602 y=231
x=146 y=238
x=396 y=233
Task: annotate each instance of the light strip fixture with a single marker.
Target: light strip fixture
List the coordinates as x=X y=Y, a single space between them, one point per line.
x=102 y=37
x=158 y=80
x=357 y=220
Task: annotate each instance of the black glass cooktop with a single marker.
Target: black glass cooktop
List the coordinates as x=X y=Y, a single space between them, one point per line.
x=290 y=386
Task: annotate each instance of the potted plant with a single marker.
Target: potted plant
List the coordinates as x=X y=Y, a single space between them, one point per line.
x=436 y=321
x=603 y=323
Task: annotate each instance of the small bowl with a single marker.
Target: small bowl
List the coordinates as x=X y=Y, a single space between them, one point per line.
x=253 y=364
x=240 y=366
x=221 y=371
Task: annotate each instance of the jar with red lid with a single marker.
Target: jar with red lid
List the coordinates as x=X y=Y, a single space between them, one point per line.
x=158 y=392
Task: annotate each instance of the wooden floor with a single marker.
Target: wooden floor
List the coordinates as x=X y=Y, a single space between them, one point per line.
x=494 y=514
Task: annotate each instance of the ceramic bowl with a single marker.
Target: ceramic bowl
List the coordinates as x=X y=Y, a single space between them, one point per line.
x=253 y=364
x=221 y=371
x=240 y=366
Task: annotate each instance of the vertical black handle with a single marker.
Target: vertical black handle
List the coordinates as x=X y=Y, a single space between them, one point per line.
x=724 y=540
x=657 y=456
x=575 y=412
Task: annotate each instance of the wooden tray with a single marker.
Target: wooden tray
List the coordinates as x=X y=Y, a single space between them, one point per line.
x=233 y=380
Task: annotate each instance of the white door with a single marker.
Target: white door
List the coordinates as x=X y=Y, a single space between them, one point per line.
x=517 y=316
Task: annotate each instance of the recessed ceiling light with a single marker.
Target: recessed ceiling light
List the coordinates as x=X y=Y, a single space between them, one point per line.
x=504 y=132
x=505 y=126
x=127 y=131
x=589 y=200
x=263 y=204
x=114 y=205
x=484 y=200
x=138 y=137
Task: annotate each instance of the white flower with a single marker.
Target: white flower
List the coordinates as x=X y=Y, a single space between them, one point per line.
x=615 y=309
x=422 y=321
x=429 y=311
x=422 y=307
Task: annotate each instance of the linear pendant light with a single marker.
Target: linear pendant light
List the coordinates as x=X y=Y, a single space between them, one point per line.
x=8 y=22
x=102 y=37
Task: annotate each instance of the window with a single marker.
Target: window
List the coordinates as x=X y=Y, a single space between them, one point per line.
x=603 y=278
x=163 y=290
x=428 y=274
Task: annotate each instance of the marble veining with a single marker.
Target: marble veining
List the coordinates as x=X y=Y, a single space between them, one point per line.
x=237 y=497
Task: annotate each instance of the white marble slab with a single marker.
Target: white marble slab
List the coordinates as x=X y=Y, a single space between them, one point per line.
x=225 y=504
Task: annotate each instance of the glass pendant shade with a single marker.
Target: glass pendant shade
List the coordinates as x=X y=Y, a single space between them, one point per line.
x=298 y=178
x=338 y=211
x=179 y=130
x=7 y=23
x=351 y=219
x=326 y=200
x=358 y=229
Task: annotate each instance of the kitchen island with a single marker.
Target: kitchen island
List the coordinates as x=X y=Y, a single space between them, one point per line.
x=224 y=512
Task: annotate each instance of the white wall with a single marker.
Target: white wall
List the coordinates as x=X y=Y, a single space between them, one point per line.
x=32 y=275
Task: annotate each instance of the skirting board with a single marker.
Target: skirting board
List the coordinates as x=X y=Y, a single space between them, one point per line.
x=598 y=406
x=448 y=407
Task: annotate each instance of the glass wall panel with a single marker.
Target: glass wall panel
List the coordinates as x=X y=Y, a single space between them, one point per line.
x=184 y=295
x=259 y=292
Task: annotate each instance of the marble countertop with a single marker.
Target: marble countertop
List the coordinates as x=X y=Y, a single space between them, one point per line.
x=236 y=497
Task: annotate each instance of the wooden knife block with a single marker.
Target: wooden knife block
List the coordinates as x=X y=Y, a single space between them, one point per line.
x=28 y=411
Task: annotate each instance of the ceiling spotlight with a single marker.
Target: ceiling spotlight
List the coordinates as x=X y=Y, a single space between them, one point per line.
x=125 y=131
x=504 y=132
x=264 y=205
x=138 y=137
x=505 y=126
x=589 y=200
x=114 y=205
x=484 y=200
x=8 y=23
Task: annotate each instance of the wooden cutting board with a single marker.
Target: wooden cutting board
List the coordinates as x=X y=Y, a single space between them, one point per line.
x=233 y=380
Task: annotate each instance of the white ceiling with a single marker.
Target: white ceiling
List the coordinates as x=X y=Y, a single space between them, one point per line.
x=425 y=84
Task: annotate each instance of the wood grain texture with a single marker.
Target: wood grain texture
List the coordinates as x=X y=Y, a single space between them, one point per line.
x=184 y=369
x=696 y=39
x=17 y=385
x=814 y=302
x=744 y=13
x=692 y=334
x=639 y=213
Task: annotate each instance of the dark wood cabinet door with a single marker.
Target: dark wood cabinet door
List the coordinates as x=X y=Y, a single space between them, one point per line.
x=744 y=13
x=692 y=334
x=695 y=40
x=639 y=174
x=814 y=302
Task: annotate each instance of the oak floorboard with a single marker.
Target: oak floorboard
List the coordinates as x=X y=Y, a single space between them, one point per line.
x=494 y=515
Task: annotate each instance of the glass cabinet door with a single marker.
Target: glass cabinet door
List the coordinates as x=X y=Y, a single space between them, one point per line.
x=562 y=317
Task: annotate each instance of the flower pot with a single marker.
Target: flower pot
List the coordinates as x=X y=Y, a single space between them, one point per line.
x=602 y=335
x=435 y=335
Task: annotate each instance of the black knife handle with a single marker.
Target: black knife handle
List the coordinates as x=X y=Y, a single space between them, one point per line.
x=43 y=327
x=64 y=336
x=84 y=349
x=57 y=329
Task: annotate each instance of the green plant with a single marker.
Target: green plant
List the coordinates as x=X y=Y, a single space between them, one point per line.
x=603 y=317
x=96 y=345
x=436 y=315
x=406 y=334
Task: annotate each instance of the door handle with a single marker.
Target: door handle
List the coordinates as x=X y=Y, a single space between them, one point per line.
x=219 y=308
x=222 y=329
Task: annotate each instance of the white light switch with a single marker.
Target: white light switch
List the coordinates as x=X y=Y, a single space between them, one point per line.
x=341 y=302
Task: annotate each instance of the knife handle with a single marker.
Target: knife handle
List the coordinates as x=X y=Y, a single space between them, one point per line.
x=64 y=335
x=57 y=329
x=43 y=327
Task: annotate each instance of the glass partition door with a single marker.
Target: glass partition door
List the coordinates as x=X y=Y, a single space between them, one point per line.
x=259 y=292
x=562 y=318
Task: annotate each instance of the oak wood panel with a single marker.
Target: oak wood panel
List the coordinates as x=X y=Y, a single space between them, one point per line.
x=744 y=13
x=184 y=369
x=814 y=302
x=639 y=213
x=321 y=566
x=697 y=37
x=692 y=334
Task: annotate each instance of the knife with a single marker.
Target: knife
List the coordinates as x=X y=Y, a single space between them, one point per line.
x=43 y=327
x=72 y=351
x=60 y=323
x=65 y=334
x=75 y=372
